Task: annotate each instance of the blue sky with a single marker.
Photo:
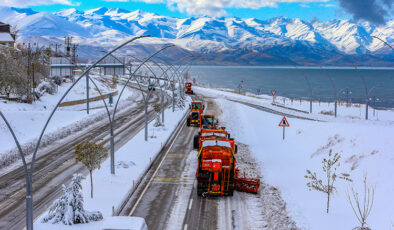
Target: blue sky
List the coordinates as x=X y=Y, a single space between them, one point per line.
x=322 y=10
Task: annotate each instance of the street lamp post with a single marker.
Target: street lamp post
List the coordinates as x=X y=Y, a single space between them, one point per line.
x=362 y=79
x=29 y=173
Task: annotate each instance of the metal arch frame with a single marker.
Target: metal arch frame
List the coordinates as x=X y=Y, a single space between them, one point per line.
x=332 y=84
x=362 y=79
x=308 y=83
x=148 y=95
x=133 y=74
x=29 y=174
x=180 y=79
x=174 y=74
x=383 y=41
x=161 y=90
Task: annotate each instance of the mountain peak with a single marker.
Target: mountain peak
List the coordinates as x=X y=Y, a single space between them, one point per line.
x=100 y=11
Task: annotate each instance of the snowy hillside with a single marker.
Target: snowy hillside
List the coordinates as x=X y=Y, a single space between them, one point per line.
x=276 y=37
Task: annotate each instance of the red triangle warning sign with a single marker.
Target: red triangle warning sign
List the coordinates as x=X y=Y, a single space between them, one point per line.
x=284 y=123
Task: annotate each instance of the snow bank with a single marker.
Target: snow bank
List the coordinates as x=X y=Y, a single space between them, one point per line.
x=131 y=162
x=365 y=147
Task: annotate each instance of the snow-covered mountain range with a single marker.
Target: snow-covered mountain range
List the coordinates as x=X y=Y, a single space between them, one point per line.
x=221 y=40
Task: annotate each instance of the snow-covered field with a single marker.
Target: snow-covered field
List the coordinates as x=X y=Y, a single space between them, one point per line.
x=131 y=162
x=366 y=147
x=27 y=120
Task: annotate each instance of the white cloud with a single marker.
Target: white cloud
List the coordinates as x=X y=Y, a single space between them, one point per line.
x=26 y=3
x=217 y=7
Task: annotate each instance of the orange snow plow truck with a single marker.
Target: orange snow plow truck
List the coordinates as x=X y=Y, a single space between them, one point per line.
x=216 y=168
x=196 y=109
x=216 y=172
x=188 y=86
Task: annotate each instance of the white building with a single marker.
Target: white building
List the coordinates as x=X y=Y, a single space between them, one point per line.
x=6 y=38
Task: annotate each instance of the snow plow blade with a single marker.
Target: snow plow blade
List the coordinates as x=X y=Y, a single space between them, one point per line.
x=247 y=185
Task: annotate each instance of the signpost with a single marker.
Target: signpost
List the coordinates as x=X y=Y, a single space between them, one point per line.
x=110 y=99
x=273 y=92
x=284 y=123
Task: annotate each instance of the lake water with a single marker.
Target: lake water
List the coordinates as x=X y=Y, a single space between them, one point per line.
x=304 y=83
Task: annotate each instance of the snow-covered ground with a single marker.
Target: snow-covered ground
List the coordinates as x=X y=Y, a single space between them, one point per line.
x=345 y=113
x=27 y=120
x=131 y=162
x=366 y=147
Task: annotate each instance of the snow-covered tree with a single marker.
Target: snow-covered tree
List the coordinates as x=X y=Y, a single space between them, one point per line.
x=68 y=209
x=330 y=166
x=157 y=109
x=91 y=155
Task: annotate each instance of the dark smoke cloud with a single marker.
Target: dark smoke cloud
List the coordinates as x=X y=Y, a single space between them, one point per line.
x=374 y=11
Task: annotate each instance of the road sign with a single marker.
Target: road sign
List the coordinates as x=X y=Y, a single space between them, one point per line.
x=273 y=92
x=284 y=122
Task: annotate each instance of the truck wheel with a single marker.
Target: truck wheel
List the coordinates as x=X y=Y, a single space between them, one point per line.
x=188 y=122
x=195 y=142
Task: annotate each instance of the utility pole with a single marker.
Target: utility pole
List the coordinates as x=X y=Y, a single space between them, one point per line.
x=74 y=48
x=67 y=42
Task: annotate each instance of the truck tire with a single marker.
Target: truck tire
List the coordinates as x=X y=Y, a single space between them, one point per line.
x=195 y=142
x=188 y=121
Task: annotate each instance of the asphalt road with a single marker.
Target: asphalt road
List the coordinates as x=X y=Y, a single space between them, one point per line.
x=167 y=199
x=54 y=166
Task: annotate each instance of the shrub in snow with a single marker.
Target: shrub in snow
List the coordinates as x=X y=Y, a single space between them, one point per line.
x=91 y=155
x=330 y=166
x=45 y=87
x=324 y=112
x=68 y=209
x=362 y=208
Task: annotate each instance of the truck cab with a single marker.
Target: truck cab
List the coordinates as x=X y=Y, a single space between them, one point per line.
x=196 y=109
x=207 y=121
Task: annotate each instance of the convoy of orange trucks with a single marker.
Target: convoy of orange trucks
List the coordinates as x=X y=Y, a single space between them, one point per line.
x=216 y=171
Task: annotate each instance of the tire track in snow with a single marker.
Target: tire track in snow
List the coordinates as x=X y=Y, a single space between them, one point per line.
x=264 y=210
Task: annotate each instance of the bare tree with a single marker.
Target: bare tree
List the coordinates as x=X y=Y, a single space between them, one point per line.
x=363 y=210
x=91 y=155
x=330 y=166
x=12 y=73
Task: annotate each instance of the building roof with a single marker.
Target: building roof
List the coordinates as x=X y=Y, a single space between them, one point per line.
x=2 y=23
x=6 y=37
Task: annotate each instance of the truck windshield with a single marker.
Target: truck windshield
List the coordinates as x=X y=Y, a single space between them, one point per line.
x=196 y=105
x=216 y=143
x=213 y=134
x=194 y=116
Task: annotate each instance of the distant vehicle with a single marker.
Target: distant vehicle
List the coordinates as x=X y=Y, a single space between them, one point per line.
x=194 y=118
x=124 y=223
x=188 y=86
x=151 y=87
